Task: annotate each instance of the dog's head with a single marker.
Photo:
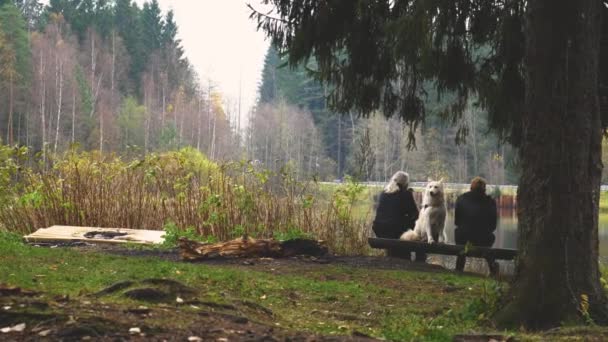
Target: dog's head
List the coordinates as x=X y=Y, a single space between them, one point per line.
x=434 y=191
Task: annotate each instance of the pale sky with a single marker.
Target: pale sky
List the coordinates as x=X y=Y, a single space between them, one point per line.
x=222 y=44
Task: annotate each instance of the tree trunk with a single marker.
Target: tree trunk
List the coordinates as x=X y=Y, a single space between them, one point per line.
x=339 y=146
x=557 y=272
x=73 y=112
x=198 y=122
x=11 y=96
x=213 y=138
x=42 y=70
x=59 y=72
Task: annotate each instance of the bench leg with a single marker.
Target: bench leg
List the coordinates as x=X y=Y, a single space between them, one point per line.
x=399 y=253
x=460 y=261
x=493 y=266
x=420 y=257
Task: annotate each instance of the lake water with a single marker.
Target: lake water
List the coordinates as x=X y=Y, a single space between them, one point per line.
x=506 y=232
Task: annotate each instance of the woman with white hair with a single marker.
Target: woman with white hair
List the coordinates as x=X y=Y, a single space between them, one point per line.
x=397 y=211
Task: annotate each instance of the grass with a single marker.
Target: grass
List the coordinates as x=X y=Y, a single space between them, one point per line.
x=326 y=299
x=180 y=188
x=400 y=305
x=604 y=201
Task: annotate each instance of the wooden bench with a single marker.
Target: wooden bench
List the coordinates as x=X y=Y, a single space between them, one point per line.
x=444 y=249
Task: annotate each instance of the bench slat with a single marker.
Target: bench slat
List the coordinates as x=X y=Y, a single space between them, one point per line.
x=445 y=249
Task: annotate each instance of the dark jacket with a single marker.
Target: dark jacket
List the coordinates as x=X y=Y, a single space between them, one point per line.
x=475 y=213
x=396 y=213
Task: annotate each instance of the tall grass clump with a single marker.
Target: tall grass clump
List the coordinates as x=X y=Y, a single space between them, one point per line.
x=181 y=188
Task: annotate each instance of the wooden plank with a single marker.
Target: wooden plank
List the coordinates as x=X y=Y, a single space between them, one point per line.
x=96 y=235
x=445 y=249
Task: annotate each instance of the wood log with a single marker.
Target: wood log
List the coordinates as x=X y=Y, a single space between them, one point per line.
x=445 y=249
x=247 y=247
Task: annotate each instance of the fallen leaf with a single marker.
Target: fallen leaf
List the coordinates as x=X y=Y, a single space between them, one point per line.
x=44 y=333
x=19 y=327
x=16 y=328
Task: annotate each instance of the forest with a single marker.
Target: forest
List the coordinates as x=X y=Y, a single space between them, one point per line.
x=108 y=76
x=112 y=76
x=106 y=124
x=368 y=148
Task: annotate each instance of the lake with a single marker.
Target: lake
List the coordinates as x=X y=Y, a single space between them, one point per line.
x=506 y=232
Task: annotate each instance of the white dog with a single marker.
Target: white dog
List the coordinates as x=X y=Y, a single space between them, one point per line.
x=431 y=220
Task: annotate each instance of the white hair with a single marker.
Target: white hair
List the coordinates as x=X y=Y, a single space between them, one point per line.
x=399 y=178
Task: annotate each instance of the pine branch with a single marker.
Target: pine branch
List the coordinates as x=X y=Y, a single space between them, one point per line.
x=267 y=16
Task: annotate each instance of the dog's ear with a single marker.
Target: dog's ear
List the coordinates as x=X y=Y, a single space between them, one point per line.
x=428 y=179
x=441 y=180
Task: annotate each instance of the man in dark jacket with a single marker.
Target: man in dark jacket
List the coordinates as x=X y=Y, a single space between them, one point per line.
x=475 y=219
x=396 y=213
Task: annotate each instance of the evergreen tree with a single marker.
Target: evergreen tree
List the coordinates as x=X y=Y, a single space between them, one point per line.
x=14 y=27
x=169 y=33
x=294 y=85
x=31 y=10
x=267 y=89
x=14 y=65
x=173 y=52
x=542 y=84
x=152 y=27
x=79 y=13
x=128 y=25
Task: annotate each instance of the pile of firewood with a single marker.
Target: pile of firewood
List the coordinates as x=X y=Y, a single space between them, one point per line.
x=247 y=247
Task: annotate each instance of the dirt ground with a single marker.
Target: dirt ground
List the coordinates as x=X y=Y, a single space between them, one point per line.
x=75 y=319
x=70 y=319
x=435 y=263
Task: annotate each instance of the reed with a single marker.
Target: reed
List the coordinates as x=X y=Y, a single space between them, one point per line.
x=181 y=188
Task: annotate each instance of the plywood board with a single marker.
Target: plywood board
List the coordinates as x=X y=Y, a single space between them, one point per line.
x=96 y=235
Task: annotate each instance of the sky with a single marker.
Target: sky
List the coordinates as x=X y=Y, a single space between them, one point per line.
x=222 y=44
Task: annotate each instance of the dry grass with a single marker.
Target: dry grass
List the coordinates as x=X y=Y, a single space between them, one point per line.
x=181 y=187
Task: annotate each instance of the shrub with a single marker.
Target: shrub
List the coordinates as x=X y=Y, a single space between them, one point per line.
x=198 y=197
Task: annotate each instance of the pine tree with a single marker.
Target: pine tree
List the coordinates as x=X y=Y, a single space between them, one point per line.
x=129 y=26
x=14 y=64
x=543 y=84
x=152 y=27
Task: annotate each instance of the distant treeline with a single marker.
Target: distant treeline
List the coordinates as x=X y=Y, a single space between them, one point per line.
x=293 y=125
x=107 y=75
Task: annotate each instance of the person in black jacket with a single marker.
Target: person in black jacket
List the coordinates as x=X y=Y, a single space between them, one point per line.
x=475 y=219
x=396 y=212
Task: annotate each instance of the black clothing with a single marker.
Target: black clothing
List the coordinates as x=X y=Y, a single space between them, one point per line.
x=475 y=216
x=396 y=213
x=463 y=236
x=475 y=219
